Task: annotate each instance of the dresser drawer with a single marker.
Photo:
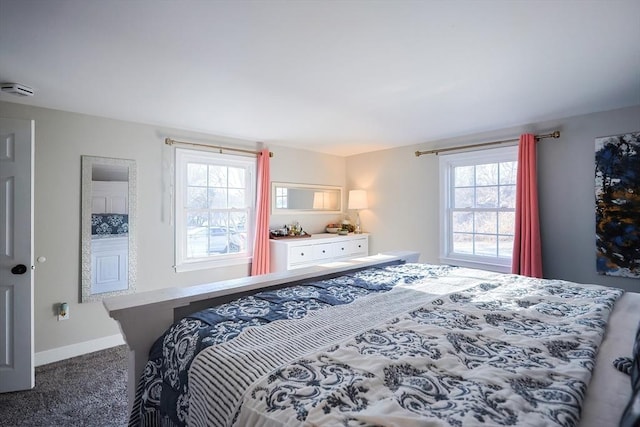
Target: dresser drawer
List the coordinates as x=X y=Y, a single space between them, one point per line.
x=323 y=251
x=359 y=246
x=299 y=254
x=341 y=249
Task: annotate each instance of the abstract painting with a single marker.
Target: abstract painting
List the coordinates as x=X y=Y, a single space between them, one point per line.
x=618 y=205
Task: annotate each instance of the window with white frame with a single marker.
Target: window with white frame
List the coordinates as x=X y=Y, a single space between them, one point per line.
x=214 y=205
x=282 y=197
x=478 y=199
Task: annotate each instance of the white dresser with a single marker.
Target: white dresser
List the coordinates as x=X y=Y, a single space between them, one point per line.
x=289 y=254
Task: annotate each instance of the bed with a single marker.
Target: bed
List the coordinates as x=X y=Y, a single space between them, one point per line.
x=379 y=341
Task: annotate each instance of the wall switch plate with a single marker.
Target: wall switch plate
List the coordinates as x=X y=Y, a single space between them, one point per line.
x=63 y=311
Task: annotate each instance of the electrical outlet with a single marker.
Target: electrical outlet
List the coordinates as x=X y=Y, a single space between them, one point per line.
x=63 y=311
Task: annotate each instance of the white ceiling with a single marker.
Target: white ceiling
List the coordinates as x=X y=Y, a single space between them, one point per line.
x=342 y=77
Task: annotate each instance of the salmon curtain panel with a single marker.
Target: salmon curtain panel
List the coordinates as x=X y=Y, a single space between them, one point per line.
x=527 y=248
x=261 y=255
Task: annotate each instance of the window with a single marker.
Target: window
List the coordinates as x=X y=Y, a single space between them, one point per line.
x=478 y=198
x=282 y=195
x=215 y=205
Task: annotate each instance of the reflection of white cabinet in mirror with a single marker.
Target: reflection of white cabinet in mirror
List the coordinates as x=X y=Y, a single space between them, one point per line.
x=109 y=266
x=108 y=225
x=109 y=247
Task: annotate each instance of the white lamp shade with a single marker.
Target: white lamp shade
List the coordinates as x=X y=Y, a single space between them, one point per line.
x=358 y=199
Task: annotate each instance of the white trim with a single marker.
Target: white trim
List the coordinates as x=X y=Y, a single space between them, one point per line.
x=498 y=268
x=73 y=350
x=215 y=263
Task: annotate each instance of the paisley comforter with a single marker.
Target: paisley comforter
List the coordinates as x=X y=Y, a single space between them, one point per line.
x=162 y=396
x=413 y=345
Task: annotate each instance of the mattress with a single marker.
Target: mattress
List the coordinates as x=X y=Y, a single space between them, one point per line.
x=609 y=389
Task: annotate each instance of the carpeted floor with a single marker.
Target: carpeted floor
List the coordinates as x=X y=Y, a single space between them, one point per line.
x=88 y=390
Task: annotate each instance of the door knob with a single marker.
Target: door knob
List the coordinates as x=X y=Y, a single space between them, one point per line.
x=19 y=269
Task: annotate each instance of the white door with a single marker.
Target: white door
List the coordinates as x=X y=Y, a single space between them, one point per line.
x=16 y=254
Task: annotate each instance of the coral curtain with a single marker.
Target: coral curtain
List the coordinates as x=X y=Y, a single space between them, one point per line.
x=527 y=249
x=261 y=256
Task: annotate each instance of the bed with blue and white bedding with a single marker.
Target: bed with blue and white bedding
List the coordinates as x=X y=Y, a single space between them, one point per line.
x=403 y=345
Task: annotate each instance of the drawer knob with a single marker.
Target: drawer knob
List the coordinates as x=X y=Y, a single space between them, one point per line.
x=301 y=253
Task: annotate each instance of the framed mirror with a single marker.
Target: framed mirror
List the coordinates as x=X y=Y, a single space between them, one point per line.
x=304 y=198
x=108 y=227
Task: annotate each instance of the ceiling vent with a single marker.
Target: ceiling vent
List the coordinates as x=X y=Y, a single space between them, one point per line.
x=16 y=89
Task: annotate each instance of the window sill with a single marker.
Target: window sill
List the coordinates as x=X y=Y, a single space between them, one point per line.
x=209 y=264
x=482 y=265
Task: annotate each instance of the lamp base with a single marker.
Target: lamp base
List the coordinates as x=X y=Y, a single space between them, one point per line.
x=358 y=230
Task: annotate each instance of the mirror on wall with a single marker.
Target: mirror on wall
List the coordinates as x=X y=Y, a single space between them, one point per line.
x=305 y=198
x=108 y=227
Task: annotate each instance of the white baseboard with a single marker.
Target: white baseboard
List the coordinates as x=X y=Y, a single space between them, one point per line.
x=68 y=351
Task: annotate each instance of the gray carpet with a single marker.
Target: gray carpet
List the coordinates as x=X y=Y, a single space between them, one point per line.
x=88 y=390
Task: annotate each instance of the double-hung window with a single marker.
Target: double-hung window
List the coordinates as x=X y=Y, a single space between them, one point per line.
x=478 y=198
x=215 y=208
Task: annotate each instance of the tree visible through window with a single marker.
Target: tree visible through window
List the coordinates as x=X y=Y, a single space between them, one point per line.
x=214 y=206
x=479 y=205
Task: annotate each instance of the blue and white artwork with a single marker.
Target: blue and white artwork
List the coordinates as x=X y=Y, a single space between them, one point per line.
x=617 y=162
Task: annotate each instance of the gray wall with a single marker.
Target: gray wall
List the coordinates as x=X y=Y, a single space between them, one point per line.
x=404 y=193
x=566 y=177
x=60 y=139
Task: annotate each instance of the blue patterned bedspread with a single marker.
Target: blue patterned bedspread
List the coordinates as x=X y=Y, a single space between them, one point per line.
x=162 y=394
x=467 y=348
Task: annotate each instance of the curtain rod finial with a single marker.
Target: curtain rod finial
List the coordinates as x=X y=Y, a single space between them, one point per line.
x=556 y=134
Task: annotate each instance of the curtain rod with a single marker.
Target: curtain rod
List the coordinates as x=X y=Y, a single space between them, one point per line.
x=170 y=141
x=436 y=151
